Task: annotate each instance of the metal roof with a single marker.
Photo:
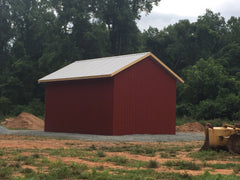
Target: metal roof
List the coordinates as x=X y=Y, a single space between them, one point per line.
x=100 y=67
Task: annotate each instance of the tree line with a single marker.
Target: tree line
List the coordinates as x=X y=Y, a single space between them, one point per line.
x=38 y=37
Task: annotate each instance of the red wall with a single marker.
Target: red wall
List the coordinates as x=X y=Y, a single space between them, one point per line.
x=80 y=106
x=144 y=100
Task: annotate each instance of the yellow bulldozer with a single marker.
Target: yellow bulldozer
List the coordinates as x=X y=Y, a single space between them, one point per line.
x=225 y=137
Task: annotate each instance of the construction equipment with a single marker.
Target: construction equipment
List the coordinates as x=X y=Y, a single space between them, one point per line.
x=225 y=137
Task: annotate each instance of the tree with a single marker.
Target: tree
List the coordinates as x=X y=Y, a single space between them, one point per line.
x=120 y=16
x=5 y=35
x=233 y=25
x=210 y=32
x=209 y=91
x=176 y=45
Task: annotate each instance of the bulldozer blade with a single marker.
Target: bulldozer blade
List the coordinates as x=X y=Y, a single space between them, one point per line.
x=206 y=141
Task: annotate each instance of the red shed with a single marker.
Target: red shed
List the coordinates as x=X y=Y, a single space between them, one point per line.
x=129 y=94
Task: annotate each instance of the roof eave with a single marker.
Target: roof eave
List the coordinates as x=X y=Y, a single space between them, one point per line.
x=167 y=68
x=73 y=78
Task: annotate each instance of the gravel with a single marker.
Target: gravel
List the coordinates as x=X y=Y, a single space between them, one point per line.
x=3 y=130
x=124 y=138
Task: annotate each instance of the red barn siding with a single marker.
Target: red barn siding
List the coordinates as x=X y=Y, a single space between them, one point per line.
x=144 y=100
x=80 y=106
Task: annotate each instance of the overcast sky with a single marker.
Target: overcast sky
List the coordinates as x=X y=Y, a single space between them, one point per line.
x=171 y=11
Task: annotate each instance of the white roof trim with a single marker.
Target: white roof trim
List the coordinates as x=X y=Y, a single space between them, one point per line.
x=100 y=67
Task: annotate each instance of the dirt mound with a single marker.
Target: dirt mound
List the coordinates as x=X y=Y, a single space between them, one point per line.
x=190 y=127
x=24 y=121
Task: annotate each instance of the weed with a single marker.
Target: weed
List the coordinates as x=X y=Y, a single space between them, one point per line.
x=3 y=163
x=123 y=161
x=69 y=143
x=235 y=159
x=100 y=153
x=5 y=172
x=136 y=149
x=2 y=152
x=100 y=168
x=168 y=155
x=236 y=169
x=209 y=176
x=119 y=160
x=26 y=159
x=182 y=165
x=45 y=161
x=188 y=148
x=73 y=152
x=35 y=156
x=15 y=165
x=92 y=147
x=152 y=164
x=222 y=166
x=26 y=171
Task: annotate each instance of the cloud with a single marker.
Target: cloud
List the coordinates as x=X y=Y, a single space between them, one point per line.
x=171 y=11
x=229 y=8
x=160 y=20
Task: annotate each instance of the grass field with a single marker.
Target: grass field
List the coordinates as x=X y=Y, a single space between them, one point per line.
x=26 y=157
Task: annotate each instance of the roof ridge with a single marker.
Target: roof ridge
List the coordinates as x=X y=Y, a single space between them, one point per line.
x=110 y=57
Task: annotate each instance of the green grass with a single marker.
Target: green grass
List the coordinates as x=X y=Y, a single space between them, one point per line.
x=92 y=147
x=182 y=165
x=133 y=149
x=118 y=160
x=210 y=155
x=73 y=152
x=3 y=152
x=123 y=161
x=6 y=172
x=27 y=160
x=100 y=154
x=167 y=155
x=222 y=166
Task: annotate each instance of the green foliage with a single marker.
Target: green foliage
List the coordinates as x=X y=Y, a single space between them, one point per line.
x=35 y=107
x=5 y=106
x=213 y=93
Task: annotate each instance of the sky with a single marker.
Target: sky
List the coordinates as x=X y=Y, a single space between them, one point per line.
x=171 y=11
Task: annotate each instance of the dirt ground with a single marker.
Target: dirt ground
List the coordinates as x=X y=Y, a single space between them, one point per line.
x=24 y=121
x=28 y=145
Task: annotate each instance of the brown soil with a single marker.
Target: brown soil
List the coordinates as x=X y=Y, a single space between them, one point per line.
x=24 y=121
x=190 y=127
